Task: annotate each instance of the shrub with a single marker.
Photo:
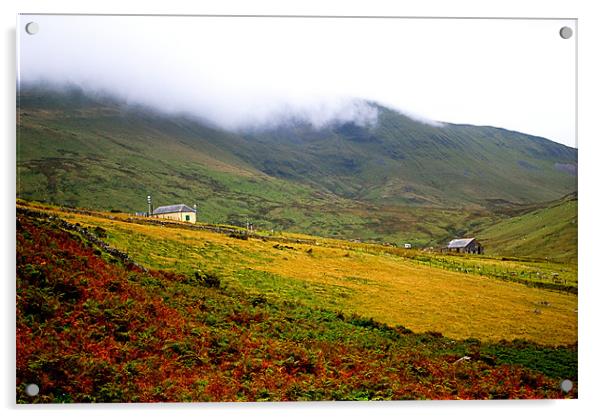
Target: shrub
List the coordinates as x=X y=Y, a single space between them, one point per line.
x=258 y=300
x=100 y=232
x=208 y=279
x=239 y=235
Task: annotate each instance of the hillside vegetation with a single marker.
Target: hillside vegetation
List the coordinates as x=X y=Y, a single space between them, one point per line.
x=548 y=232
x=95 y=325
x=459 y=296
x=397 y=181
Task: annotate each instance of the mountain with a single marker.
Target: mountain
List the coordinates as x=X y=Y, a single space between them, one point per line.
x=395 y=180
x=403 y=161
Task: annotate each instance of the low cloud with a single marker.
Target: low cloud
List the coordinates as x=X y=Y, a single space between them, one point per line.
x=235 y=83
x=235 y=113
x=246 y=72
x=318 y=113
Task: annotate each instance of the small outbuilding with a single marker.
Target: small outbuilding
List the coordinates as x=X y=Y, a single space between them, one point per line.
x=179 y=212
x=465 y=245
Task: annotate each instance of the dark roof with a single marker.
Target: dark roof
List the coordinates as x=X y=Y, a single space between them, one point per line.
x=460 y=243
x=173 y=209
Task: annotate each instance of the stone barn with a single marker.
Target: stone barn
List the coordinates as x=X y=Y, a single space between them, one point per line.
x=465 y=245
x=176 y=212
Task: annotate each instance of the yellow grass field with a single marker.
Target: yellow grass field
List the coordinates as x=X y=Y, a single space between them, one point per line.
x=374 y=283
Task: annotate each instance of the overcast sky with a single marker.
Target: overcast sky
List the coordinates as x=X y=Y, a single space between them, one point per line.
x=515 y=74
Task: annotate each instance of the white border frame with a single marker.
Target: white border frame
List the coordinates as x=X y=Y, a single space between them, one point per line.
x=589 y=94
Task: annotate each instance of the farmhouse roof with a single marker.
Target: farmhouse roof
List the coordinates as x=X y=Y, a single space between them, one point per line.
x=173 y=209
x=460 y=243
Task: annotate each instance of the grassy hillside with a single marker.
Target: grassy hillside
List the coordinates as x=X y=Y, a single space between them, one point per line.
x=461 y=297
x=402 y=161
x=398 y=181
x=548 y=232
x=95 y=325
x=80 y=152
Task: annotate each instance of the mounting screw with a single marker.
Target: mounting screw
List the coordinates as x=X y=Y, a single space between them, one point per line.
x=566 y=32
x=32 y=28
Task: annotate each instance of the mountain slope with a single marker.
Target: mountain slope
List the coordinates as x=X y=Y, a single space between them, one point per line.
x=398 y=180
x=547 y=232
x=83 y=151
x=400 y=160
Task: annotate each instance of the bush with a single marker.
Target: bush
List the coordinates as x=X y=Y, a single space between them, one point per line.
x=239 y=235
x=208 y=279
x=258 y=300
x=100 y=232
